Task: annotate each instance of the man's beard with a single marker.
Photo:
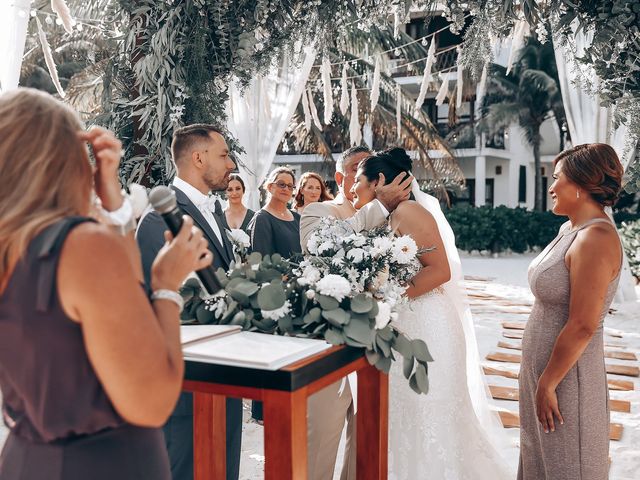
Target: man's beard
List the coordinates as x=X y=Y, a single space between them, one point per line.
x=217 y=184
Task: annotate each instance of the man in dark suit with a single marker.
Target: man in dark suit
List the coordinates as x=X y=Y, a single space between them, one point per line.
x=203 y=164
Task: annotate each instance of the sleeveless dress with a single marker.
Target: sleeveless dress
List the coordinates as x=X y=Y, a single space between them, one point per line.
x=62 y=424
x=437 y=436
x=579 y=449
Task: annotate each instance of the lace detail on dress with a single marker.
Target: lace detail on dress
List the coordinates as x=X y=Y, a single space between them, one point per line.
x=437 y=436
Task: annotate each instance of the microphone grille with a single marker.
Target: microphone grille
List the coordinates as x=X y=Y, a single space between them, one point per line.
x=162 y=199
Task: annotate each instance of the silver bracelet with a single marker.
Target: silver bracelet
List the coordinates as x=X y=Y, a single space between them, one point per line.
x=170 y=295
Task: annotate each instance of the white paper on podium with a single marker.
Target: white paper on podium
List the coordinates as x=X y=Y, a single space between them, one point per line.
x=253 y=350
x=194 y=333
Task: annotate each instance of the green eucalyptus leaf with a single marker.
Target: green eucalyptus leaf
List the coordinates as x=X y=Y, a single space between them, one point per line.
x=337 y=317
x=360 y=332
x=204 y=316
x=285 y=323
x=372 y=356
x=413 y=383
x=239 y=318
x=407 y=366
x=384 y=364
x=334 y=337
x=271 y=297
x=403 y=345
x=374 y=310
x=361 y=303
x=386 y=333
x=383 y=345
x=327 y=303
x=420 y=351
x=422 y=379
x=314 y=315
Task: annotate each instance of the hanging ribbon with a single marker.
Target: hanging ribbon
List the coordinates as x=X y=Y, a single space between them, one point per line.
x=48 y=59
x=398 y=110
x=517 y=40
x=355 y=132
x=482 y=85
x=375 y=86
x=459 y=80
x=426 y=78
x=444 y=90
x=64 y=14
x=314 y=111
x=344 y=91
x=325 y=72
x=307 y=111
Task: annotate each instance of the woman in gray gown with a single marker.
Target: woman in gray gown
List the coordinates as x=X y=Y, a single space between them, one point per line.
x=564 y=412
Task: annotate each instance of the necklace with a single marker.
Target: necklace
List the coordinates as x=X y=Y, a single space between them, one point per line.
x=280 y=214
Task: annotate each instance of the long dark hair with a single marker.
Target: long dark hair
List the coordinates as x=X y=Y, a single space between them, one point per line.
x=391 y=163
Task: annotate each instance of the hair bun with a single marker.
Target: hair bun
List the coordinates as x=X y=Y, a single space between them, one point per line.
x=399 y=158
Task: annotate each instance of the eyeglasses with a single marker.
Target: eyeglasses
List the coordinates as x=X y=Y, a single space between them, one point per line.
x=282 y=186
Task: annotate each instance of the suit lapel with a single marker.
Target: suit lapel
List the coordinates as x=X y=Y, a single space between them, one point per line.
x=190 y=209
x=225 y=239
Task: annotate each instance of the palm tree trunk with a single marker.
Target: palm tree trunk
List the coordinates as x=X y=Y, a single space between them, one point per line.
x=538 y=169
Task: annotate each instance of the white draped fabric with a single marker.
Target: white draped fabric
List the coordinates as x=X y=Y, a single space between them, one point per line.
x=259 y=115
x=14 y=18
x=588 y=122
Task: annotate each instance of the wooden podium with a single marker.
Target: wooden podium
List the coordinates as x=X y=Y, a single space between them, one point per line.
x=284 y=393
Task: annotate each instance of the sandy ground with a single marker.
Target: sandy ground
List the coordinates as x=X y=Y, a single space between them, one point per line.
x=505 y=279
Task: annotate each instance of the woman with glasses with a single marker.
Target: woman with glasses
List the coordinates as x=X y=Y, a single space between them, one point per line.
x=275 y=229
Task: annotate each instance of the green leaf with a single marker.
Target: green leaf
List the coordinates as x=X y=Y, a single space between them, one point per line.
x=420 y=351
x=334 y=337
x=422 y=378
x=361 y=303
x=204 y=316
x=372 y=356
x=403 y=345
x=239 y=319
x=314 y=315
x=374 y=310
x=407 y=366
x=241 y=289
x=255 y=258
x=327 y=303
x=271 y=297
x=384 y=364
x=386 y=333
x=413 y=383
x=360 y=332
x=384 y=345
x=285 y=323
x=337 y=317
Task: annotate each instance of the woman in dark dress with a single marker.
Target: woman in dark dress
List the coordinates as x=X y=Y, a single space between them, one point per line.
x=276 y=229
x=236 y=215
x=89 y=367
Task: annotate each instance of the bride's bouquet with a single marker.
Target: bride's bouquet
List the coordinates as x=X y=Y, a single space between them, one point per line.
x=347 y=291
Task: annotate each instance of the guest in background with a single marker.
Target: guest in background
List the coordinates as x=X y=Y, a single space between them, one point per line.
x=236 y=215
x=564 y=411
x=90 y=368
x=311 y=188
x=275 y=229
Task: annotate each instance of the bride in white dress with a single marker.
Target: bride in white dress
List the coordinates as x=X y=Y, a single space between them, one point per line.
x=450 y=433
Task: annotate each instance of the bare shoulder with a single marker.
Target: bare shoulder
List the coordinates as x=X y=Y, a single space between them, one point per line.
x=597 y=242
x=410 y=215
x=94 y=244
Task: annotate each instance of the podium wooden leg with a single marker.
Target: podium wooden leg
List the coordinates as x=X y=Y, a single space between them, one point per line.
x=209 y=436
x=372 y=424
x=285 y=435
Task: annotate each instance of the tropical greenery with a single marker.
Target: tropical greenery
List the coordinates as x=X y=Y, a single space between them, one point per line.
x=528 y=96
x=630 y=235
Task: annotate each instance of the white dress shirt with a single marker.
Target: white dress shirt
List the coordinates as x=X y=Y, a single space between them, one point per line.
x=202 y=202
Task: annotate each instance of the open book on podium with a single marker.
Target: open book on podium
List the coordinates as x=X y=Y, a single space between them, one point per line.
x=229 y=345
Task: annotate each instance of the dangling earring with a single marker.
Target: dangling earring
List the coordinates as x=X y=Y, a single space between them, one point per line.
x=577 y=193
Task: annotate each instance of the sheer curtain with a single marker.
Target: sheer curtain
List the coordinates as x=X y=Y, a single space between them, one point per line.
x=14 y=18
x=260 y=114
x=588 y=122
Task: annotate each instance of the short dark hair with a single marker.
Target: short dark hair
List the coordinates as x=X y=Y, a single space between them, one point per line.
x=185 y=138
x=390 y=163
x=350 y=152
x=238 y=178
x=594 y=167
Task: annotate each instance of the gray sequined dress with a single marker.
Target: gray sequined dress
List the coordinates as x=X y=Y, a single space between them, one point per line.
x=577 y=450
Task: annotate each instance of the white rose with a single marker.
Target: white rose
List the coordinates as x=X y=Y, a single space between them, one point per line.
x=240 y=236
x=384 y=315
x=334 y=286
x=356 y=254
x=404 y=249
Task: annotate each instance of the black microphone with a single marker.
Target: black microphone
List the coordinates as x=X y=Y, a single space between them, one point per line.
x=163 y=200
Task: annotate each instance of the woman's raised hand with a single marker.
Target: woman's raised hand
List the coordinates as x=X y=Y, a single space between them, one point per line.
x=186 y=252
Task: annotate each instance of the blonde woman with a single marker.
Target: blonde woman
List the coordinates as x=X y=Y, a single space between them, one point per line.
x=311 y=188
x=89 y=367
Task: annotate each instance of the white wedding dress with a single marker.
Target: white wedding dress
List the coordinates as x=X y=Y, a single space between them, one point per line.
x=449 y=433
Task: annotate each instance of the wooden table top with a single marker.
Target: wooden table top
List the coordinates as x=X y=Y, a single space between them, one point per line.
x=288 y=379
